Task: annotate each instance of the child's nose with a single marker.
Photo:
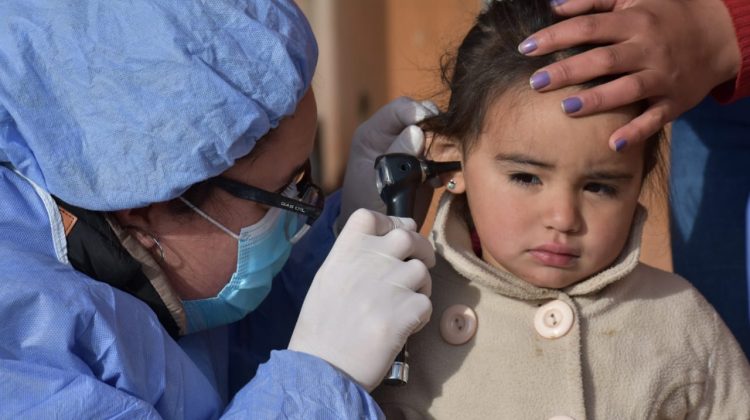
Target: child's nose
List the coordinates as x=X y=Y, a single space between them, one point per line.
x=563 y=213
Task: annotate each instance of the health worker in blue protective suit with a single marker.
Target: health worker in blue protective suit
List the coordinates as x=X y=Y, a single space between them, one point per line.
x=159 y=230
x=675 y=53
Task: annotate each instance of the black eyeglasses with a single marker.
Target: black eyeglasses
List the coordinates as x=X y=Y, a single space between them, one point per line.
x=308 y=203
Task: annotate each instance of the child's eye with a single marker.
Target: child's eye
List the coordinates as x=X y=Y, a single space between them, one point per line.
x=601 y=189
x=525 y=179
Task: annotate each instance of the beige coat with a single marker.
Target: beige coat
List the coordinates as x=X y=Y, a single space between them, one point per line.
x=643 y=344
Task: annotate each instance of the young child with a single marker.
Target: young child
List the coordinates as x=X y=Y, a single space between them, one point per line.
x=541 y=308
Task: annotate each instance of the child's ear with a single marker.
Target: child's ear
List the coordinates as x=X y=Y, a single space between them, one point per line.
x=443 y=149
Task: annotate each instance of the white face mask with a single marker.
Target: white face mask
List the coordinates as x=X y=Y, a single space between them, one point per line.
x=262 y=250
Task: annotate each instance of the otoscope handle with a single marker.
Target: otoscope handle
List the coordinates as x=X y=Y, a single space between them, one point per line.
x=399 y=373
x=402 y=205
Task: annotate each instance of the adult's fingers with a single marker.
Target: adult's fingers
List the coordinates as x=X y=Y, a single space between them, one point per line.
x=644 y=126
x=431 y=106
x=622 y=91
x=406 y=244
x=612 y=59
x=369 y=222
x=410 y=141
x=399 y=113
x=412 y=275
x=577 y=7
x=420 y=306
x=603 y=28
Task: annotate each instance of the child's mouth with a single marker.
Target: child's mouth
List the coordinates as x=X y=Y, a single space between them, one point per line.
x=555 y=255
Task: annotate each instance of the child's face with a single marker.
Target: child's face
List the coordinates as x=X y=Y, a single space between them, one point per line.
x=552 y=203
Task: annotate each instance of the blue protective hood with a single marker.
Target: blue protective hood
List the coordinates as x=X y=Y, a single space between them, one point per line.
x=113 y=104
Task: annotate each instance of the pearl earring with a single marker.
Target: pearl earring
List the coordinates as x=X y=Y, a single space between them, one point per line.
x=451 y=184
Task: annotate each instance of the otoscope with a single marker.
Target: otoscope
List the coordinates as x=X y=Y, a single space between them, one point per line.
x=399 y=177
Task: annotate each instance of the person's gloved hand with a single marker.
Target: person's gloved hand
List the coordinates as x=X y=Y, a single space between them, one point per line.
x=391 y=130
x=670 y=52
x=366 y=299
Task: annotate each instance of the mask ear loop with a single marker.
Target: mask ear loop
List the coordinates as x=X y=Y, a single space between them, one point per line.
x=290 y=192
x=152 y=237
x=297 y=236
x=209 y=219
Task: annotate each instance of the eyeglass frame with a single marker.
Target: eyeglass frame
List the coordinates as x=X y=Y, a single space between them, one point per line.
x=259 y=195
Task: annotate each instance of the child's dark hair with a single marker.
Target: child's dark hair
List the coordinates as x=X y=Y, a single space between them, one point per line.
x=488 y=64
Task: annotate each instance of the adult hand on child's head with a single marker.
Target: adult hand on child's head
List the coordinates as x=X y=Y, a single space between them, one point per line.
x=670 y=52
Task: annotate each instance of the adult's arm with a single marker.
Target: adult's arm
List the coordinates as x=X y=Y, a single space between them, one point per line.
x=671 y=53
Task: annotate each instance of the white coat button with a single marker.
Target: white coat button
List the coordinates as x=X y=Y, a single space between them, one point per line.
x=554 y=319
x=458 y=324
x=561 y=418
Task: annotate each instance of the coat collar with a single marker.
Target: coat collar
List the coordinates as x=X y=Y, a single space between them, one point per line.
x=451 y=238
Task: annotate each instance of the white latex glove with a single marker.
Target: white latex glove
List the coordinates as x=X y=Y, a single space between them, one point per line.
x=391 y=130
x=366 y=299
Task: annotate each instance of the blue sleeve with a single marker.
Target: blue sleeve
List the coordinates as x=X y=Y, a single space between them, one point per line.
x=35 y=391
x=73 y=346
x=270 y=326
x=294 y=385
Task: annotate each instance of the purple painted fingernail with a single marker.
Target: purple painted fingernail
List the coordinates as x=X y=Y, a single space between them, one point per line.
x=527 y=46
x=620 y=144
x=571 y=105
x=539 y=80
x=555 y=3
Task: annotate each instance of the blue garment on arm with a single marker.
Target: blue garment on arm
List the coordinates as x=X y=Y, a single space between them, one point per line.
x=314 y=389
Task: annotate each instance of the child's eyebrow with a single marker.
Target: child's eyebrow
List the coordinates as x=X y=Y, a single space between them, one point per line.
x=610 y=176
x=522 y=160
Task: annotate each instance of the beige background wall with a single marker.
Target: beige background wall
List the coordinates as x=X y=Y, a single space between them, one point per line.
x=372 y=51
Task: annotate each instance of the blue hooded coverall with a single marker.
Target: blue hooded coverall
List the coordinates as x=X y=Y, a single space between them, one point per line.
x=108 y=105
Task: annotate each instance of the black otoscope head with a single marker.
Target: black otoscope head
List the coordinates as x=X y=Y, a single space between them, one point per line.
x=399 y=176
